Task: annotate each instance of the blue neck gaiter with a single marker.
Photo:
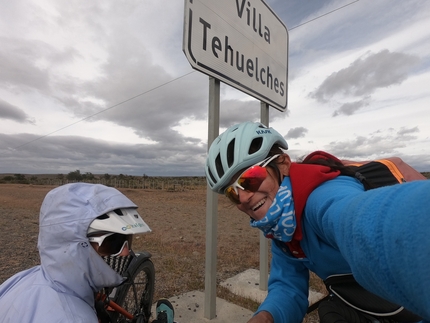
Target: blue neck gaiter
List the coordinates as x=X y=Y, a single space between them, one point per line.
x=280 y=220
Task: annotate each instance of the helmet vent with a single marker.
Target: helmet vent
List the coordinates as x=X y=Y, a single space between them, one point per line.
x=118 y=211
x=219 y=168
x=255 y=145
x=230 y=153
x=103 y=217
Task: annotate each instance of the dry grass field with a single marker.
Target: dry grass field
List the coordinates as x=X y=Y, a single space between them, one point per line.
x=177 y=240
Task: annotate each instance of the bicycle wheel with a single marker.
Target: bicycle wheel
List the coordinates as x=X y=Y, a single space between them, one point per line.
x=136 y=294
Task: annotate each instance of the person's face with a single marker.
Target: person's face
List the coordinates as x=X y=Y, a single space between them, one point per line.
x=124 y=252
x=256 y=204
x=123 y=247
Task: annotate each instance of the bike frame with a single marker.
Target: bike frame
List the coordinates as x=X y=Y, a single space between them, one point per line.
x=110 y=303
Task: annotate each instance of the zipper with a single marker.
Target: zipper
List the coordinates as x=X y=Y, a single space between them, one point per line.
x=394 y=170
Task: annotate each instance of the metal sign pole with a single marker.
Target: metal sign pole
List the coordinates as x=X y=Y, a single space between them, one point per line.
x=264 y=246
x=211 y=208
x=212 y=28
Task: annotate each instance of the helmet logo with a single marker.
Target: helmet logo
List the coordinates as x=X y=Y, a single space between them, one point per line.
x=131 y=226
x=261 y=132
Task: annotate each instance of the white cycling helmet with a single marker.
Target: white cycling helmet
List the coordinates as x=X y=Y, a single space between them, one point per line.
x=231 y=151
x=123 y=221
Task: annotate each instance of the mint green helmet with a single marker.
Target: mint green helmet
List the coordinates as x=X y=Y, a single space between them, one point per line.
x=230 y=152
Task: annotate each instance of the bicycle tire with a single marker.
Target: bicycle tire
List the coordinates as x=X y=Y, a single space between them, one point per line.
x=136 y=294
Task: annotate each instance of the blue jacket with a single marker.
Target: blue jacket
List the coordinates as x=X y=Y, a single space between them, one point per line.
x=382 y=236
x=62 y=288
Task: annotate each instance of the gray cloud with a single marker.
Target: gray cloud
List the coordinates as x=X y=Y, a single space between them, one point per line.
x=374 y=145
x=235 y=111
x=294 y=133
x=351 y=107
x=421 y=162
x=347 y=151
x=18 y=64
x=406 y=134
x=63 y=154
x=405 y=131
x=366 y=74
x=12 y=112
x=362 y=147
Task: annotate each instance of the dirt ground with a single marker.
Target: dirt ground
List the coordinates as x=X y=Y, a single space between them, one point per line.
x=177 y=240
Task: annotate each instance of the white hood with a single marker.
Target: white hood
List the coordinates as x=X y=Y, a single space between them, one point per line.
x=67 y=258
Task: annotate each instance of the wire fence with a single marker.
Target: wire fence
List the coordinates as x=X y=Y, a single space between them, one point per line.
x=134 y=182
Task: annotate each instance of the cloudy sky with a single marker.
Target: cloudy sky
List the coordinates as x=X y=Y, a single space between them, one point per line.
x=104 y=86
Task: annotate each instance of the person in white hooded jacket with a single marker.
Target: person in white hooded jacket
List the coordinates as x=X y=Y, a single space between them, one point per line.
x=75 y=221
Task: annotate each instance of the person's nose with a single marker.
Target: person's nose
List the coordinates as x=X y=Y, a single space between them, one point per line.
x=244 y=196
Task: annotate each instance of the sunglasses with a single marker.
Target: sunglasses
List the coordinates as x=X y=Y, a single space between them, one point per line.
x=112 y=243
x=250 y=180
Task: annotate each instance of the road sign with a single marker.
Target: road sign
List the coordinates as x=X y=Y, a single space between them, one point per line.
x=240 y=42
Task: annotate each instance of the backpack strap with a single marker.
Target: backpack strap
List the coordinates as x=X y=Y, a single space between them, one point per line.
x=378 y=174
x=395 y=165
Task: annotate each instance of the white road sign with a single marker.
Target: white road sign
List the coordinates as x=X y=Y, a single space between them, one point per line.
x=240 y=42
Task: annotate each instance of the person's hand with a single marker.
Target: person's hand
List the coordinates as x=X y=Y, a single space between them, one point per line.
x=262 y=317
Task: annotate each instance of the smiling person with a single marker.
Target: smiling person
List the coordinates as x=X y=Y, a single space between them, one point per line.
x=85 y=235
x=321 y=218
